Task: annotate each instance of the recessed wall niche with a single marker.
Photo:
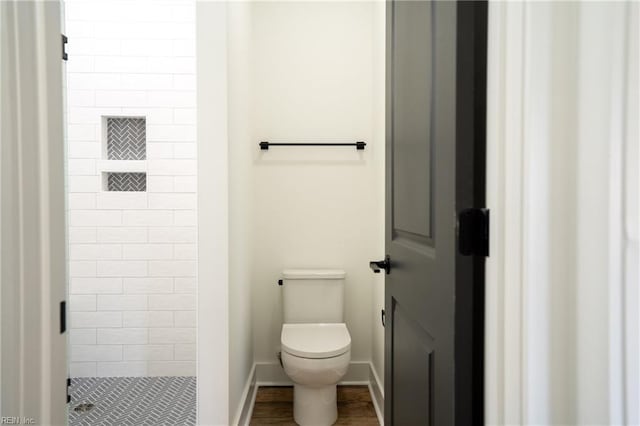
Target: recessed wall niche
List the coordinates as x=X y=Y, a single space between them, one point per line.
x=127 y=182
x=126 y=138
x=125 y=151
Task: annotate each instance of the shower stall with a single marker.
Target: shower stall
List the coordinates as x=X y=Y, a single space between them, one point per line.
x=131 y=194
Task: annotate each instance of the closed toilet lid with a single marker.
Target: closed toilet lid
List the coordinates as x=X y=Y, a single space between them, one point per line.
x=315 y=340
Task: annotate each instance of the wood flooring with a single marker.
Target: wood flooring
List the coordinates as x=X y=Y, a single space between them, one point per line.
x=274 y=406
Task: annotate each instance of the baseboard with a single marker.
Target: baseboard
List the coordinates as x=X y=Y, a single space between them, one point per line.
x=377 y=393
x=272 y=374
x=247 y=400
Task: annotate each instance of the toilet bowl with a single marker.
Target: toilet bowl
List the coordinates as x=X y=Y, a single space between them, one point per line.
x=315 y=357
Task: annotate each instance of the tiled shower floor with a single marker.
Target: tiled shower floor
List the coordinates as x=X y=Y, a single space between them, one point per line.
x=134 y=401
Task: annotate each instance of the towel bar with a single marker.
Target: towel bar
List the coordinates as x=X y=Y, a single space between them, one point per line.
x=264 y=145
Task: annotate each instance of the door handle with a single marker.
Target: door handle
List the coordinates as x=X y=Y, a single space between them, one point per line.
x=377 y=265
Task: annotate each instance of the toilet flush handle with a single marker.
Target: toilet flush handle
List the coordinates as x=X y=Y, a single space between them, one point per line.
x=377 y=265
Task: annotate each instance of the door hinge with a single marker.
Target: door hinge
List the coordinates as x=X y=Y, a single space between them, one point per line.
x=63 y=316
x=64 y=47
x=68 y=386
x=473 y=232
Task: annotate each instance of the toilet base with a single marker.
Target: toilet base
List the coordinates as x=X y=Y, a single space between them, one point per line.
x=315 y=406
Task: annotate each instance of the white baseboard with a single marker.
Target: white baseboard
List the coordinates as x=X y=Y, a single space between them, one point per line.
x=377 y=393
x=247 y=400
x=272 y=374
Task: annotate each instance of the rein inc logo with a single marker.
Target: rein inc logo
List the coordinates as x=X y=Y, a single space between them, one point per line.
x=10 y=420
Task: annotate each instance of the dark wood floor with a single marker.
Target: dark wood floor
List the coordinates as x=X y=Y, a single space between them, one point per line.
x=274 y=406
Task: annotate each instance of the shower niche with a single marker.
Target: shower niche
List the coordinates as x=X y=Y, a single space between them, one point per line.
x=124 y=165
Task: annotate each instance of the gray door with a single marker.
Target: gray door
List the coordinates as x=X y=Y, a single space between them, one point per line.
x=436 y=95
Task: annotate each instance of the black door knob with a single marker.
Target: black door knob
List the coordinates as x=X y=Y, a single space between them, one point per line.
x=377 y=265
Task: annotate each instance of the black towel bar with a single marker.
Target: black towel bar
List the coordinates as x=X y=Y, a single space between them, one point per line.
x=265 y=145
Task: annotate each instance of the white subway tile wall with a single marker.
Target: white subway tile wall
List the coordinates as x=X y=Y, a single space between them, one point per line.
x=132 y=294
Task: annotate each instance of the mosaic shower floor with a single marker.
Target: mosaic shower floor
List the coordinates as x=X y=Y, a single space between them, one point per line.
x=152 y=401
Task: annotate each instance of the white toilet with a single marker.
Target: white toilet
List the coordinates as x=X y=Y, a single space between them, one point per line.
x=316 y=345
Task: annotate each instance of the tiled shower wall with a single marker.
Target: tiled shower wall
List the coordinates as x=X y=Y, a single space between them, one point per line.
x=132 y=254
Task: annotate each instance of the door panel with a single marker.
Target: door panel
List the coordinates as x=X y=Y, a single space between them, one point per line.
x=414 y=349
x=436 y=60
x=412 y=92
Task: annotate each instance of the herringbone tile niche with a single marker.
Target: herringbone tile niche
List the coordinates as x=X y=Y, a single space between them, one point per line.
x=126 y=138
x=129 y=182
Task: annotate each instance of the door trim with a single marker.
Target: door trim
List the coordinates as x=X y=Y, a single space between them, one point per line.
x=503 y=307
x=521 y=287
x=32 y=198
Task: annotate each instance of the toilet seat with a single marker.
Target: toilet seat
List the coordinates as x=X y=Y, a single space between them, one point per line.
x=315 y=341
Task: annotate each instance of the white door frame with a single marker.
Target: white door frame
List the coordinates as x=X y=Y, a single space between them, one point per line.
x=503 y=321
x=32 y=200
x=558 y=133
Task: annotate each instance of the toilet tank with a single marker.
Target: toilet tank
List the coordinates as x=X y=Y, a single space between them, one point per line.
x=313 y=295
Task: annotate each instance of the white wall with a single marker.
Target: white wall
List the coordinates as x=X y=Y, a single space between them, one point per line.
x=132 y=254
x=312 y=79
x=241 y=210
x=225 y=350
x=213 y=204
x=379 y=105
x=631 y=215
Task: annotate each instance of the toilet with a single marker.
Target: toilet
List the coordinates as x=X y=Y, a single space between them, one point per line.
x=316 y=345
